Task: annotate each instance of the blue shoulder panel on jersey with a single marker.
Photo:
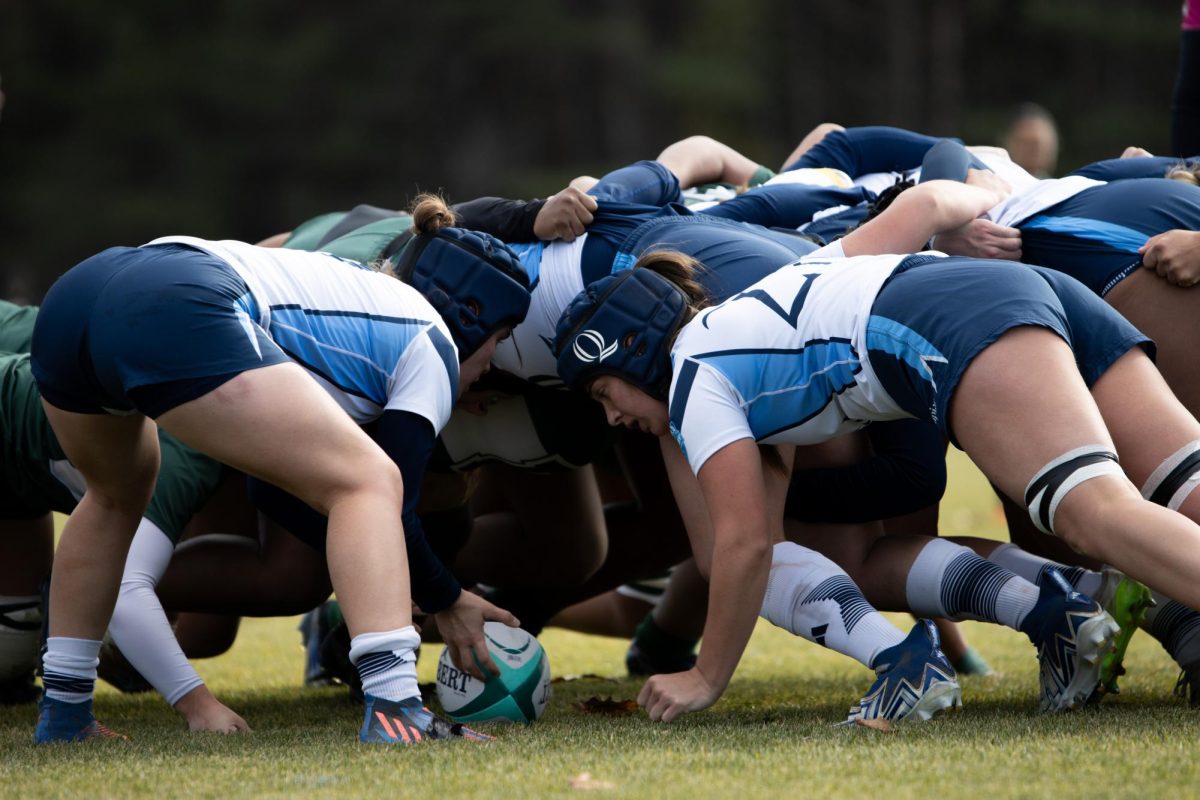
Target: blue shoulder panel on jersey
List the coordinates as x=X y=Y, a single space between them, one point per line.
x=531 y=259
x=355 y=351
x=1119 y=237
x=679 y=398
x=449 y=356
x=781 y=389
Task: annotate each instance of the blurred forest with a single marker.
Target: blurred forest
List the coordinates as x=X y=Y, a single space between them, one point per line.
x=131 y=119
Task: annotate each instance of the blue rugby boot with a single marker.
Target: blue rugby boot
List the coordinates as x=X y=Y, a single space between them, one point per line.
x=915 y=681
x=408 y=722
x=1072 y=633
x=69 y=722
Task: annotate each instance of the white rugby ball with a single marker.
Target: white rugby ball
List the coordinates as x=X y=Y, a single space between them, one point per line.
x=518 y=694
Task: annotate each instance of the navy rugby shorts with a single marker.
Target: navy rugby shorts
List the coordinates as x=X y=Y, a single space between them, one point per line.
x=146 y=329
x=934 y=315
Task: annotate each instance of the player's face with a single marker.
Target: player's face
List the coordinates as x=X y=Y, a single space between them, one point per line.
x=625 y=404
x=480 y=361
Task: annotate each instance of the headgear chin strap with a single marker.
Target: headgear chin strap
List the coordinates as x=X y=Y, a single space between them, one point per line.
x=472 y=279
x=622 y=325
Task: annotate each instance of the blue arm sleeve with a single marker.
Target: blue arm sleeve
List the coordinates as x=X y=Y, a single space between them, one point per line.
x=861 y=151
x=948 y=160
x=906 y=473
x=1119 y=169
x=785 y=205
x=408 y=440
x=646 y=183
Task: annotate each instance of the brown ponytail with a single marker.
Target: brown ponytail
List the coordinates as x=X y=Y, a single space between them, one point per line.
x=430 y=214
x=681 y=270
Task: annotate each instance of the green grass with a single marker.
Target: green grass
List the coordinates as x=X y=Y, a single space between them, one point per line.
x=771 y=735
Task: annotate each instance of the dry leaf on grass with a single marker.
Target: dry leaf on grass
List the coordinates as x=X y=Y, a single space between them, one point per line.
x=608 y=706
x=881 y=725
x=585 y=781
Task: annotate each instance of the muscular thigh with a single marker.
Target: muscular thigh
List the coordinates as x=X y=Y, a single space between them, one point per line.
x=1169 y=315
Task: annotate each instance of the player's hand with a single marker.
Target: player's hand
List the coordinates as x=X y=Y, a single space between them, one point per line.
x=1136 y=152
x=666 y=697
x=1175 y=256
x=461 y=627
x=986 y=179
x=981 y=238
x=564 y=216
x=204 y=712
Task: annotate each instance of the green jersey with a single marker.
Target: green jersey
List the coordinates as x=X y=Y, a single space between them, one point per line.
x=16 y=327
x=35 y=476
x=365 y=234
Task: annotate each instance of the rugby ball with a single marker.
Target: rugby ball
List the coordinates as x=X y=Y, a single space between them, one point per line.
x=518 y=694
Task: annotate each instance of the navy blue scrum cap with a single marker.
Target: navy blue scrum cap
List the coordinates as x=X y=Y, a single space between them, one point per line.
x=622 y=325
x=472 y=279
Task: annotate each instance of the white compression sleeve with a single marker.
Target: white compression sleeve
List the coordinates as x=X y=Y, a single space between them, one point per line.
x=139 y=625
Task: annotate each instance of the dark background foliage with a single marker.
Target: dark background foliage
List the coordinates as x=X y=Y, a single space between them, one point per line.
x=137 y=118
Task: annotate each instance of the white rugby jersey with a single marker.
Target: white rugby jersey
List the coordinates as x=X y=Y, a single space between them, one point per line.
x=372 y=342
x=556 y=277
x=783 y=362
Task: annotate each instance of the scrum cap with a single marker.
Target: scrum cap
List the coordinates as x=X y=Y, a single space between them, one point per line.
x=472 y=279
x=622 y=325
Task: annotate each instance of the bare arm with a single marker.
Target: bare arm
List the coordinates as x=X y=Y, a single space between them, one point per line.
x=702 y=159
x=275 y=241
x=690 y=500
x=732 y=482
x=920 y=213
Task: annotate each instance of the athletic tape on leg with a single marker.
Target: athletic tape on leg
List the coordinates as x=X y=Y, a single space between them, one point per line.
x=1175 y=479
x=1055 y=480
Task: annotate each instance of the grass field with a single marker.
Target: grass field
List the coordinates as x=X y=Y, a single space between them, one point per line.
x=771 y=734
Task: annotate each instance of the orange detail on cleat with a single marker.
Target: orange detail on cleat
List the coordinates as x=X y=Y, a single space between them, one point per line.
x=387 y=726
x=96 y=730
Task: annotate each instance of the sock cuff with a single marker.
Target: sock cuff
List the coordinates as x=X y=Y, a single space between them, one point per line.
x=923 y=586
x=405 y=638
x=64 y=652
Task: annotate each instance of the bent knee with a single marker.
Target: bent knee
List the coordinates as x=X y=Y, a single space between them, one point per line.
x=1084 y=515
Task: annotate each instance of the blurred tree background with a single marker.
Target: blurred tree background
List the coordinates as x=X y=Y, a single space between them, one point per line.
x=132 y=119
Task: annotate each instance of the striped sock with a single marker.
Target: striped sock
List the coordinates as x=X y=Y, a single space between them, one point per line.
x=1177 y=628
x=69 y=668
x=810 y=596
x=1031 y=568
x=951 y=581
x=386 y=663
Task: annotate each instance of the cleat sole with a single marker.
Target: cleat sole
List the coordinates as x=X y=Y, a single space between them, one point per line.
x=1096 y=638
x=1112 y=665
x=945 y=696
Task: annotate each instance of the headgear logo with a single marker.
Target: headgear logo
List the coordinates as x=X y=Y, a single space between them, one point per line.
x=589 y=346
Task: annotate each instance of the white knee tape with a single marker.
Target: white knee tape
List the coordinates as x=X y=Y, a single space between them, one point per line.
x=1055 y=481
x=1175 y=478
